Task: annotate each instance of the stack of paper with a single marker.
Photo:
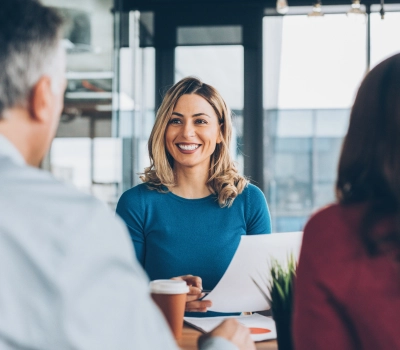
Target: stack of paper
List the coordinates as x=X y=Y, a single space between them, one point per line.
x=261 y=327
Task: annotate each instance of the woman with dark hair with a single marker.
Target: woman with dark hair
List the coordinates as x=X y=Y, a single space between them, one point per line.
x=188 y=215
x=347 y=292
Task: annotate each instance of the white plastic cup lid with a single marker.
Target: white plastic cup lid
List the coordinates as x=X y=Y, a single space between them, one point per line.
x=168 y=287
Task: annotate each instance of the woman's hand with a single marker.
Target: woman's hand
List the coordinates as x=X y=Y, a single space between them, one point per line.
x=193 y=304
x=232 y=331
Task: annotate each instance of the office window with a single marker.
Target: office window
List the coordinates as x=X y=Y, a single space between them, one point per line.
x=92 y=165
x=71 y=161
x=137 y=83
x=312 y=69
x=384 y=41
x=83 y=152
x=134 y=107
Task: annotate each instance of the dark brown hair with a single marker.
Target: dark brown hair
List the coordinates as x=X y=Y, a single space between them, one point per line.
x=369 y=165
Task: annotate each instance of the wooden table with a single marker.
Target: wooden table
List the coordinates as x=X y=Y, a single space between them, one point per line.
x=190 y=335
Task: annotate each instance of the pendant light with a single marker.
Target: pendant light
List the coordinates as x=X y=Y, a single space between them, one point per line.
x=356 y=13
x=316 y=10
x=282 y=7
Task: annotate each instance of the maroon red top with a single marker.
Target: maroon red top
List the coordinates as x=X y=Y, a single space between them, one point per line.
x=344 y=299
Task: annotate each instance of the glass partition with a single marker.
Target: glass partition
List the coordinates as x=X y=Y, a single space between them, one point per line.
x=382 y=43
x=137 y=84
x=312 y=69
x=84 y=152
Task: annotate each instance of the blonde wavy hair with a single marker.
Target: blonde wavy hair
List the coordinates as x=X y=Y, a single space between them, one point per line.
x=224 y=179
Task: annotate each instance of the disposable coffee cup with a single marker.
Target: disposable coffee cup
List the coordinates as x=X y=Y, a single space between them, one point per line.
x=170 y=296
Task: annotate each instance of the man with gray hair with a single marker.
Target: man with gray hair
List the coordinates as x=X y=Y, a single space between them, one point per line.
x=68 y=276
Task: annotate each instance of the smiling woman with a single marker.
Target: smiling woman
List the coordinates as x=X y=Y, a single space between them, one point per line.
x=202 y=104
x=191 y=138
x=189 y=214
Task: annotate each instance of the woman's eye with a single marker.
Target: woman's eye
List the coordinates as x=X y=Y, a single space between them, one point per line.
x=201 y=121
x=175 y=121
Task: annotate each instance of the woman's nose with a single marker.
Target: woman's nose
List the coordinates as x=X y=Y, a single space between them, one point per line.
x=188 y=130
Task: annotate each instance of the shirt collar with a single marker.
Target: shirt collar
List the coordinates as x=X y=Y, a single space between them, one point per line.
x=9 y=150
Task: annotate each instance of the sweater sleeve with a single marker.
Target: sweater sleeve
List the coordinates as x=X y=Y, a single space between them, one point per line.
x=319 y=321
x=130 y=209
x=258 y=219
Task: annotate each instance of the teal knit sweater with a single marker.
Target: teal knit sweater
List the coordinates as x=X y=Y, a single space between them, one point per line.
x=175 y=236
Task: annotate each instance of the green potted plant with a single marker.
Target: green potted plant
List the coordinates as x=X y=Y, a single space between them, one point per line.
x=281 y=300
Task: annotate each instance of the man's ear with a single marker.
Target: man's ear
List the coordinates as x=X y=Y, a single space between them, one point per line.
x=41 y=100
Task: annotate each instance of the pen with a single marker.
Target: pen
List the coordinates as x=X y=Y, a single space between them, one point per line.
x=206 y=292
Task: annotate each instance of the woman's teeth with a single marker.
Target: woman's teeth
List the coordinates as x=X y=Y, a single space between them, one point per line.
x=188 y=147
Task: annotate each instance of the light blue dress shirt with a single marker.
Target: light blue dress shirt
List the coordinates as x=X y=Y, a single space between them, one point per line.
x=68 y=275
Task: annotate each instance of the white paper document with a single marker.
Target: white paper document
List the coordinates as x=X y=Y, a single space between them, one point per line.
x=244 y=286
x=261 y=327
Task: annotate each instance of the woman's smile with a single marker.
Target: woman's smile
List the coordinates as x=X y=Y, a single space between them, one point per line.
x=188 y=148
